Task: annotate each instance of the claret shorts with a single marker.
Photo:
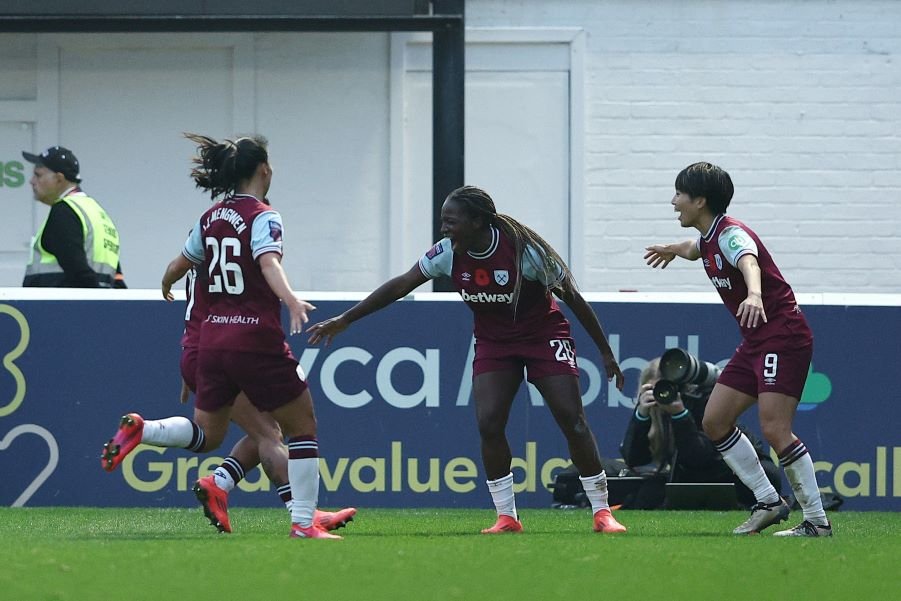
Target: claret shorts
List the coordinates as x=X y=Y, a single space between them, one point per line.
x=540 y=358
x=269 y=381
x=777 y=366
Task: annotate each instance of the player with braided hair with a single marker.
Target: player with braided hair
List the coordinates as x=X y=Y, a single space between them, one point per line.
x=546 y=262
x=508 y=275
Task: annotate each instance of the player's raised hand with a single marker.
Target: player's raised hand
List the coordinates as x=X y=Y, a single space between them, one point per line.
x=298 y=311
x=658 y=256
x=327 y=329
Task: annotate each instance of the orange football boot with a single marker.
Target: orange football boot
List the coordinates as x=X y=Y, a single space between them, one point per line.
x=313 y=531
x=328 y=520
x=606 y=523
x=504 y=524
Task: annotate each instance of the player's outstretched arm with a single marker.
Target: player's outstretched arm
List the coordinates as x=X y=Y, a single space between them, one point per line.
x=392 y=290
x=271 y=266
x=661 y=255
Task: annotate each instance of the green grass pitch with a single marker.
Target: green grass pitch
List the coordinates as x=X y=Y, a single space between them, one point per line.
x=78 y=554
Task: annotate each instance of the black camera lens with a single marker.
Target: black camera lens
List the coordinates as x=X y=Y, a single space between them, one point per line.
x=677 y=365
x=682 y=367
x=665 y=392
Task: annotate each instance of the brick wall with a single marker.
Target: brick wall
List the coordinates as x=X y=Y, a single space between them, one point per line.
x=799 y=101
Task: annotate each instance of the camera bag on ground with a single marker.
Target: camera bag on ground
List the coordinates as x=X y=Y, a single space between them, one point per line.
x=567 y=489
x=569 y=494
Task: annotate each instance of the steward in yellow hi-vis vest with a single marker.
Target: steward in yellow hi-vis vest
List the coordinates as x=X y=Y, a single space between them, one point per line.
x=78 y=244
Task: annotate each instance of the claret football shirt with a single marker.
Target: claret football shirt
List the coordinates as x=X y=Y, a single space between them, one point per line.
x=721 y=247
x=486 y=281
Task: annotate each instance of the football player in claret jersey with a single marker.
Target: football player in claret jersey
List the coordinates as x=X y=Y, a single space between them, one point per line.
x=238 y=242
x=770 y=365
x=508 y=275
x=263 y=443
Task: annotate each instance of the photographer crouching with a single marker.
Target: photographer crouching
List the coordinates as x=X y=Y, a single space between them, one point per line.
x=664 y=440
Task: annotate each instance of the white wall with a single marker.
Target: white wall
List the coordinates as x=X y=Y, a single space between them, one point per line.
x=121 y=103
x=800 y=101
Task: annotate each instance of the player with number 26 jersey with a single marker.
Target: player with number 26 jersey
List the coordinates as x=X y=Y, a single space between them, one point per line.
x=238 y=246
x=244 y=313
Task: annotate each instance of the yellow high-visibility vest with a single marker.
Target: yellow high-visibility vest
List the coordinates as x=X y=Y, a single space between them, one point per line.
x=101 y=245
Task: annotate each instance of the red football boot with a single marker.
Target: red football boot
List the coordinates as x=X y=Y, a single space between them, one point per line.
x=214 y=501
x=128 y=436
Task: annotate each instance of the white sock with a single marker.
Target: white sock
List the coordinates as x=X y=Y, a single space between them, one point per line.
x=170 y=432
x=303 y=474
x=502 y=494
x=223 y=479
x=596 y=491
x=799 y=470
x=228 y=474
x=740 y=456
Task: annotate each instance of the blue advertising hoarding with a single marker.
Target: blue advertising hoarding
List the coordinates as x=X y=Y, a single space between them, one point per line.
x=392 y=394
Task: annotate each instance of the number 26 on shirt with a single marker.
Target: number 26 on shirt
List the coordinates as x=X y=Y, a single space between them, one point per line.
x=223 y=272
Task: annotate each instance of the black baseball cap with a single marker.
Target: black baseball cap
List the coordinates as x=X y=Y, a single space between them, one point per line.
x=57 y=159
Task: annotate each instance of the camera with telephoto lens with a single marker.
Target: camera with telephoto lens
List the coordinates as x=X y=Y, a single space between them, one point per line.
x=682 y=372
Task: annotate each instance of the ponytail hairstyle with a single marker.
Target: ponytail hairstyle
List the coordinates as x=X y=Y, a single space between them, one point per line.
x=220 y=166
x=477 y=203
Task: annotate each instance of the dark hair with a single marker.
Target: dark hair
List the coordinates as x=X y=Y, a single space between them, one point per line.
x=709 y=181
x=220 y=166
x=477 y=203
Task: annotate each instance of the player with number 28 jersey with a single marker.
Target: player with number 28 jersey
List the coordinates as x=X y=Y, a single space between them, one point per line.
x=533 y=333
x=508 y=275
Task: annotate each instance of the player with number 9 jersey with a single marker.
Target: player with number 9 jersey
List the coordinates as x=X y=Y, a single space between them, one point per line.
x=721 y=248
x=769 y=367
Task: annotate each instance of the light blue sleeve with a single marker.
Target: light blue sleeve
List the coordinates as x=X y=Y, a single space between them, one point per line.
x=531 y=262
x=193 y=250
x=438 y=261
x=266 y=234
x=734 y=243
